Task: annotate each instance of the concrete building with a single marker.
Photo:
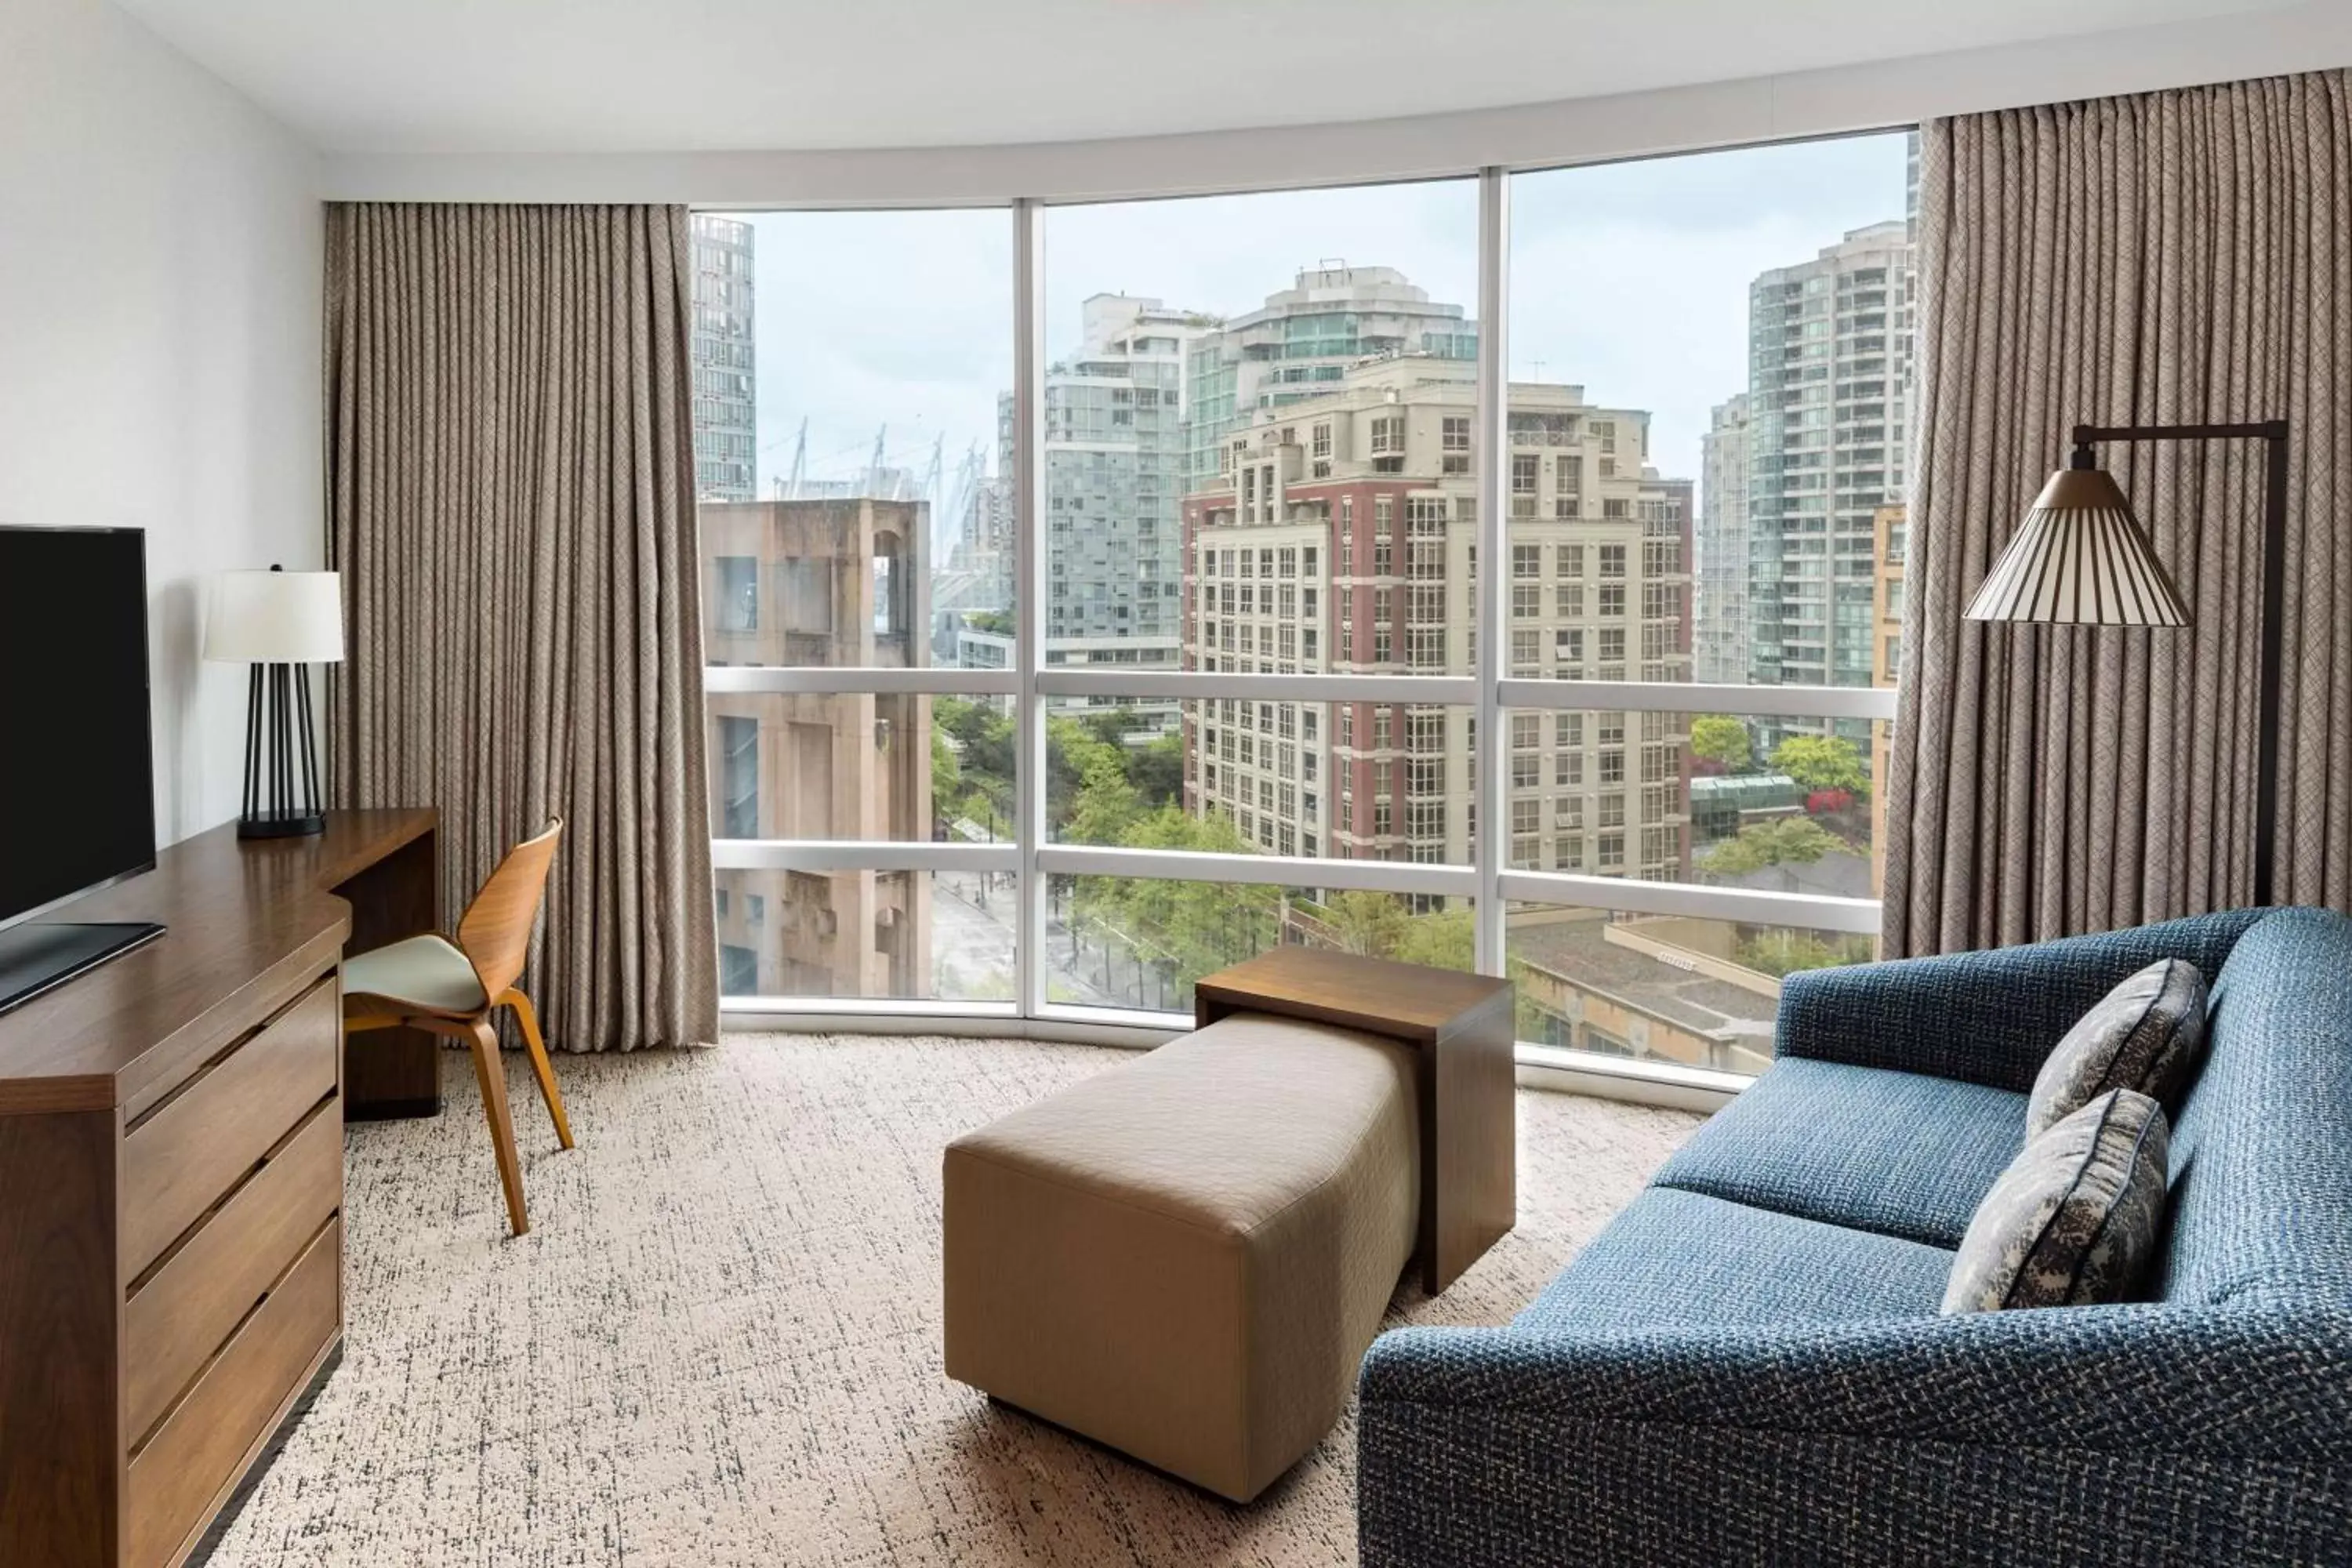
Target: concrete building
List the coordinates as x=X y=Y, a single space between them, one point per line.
x=1114 y=451
x=1301 y=343
x=1658 y=988
x=1829 y=348
x=1721 y=634
x=1889 y=524
x=828 y=583
x=725 y=398
x=1340 y=537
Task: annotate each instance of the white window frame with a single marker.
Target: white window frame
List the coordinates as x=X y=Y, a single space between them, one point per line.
x=1489 y=691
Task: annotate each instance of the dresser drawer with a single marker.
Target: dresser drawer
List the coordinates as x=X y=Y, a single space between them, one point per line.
x=180 y=1473
x=179 y=1317
x=178 y=1160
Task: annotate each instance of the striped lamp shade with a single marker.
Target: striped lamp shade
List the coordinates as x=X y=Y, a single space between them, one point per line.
x=2081 y=559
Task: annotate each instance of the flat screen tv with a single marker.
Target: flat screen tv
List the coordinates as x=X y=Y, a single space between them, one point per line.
x=77 y=773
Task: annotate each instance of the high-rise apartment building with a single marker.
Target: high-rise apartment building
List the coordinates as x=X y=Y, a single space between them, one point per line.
x=1301 y=343
x=1342 y=537
x=1114 y=450
x=1725 y=455
x=829 y=582
x=1829 y=357
x=726 y=401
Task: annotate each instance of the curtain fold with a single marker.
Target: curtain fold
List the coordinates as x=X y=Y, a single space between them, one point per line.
x=2170 y=258
x=510 y=474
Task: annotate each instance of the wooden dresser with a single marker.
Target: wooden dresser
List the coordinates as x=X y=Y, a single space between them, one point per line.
x=171 y=1198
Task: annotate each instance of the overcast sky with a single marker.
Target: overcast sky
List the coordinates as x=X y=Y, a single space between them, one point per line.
x=1630 y=279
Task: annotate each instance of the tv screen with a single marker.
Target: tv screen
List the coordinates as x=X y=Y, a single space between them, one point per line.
x=76 y=788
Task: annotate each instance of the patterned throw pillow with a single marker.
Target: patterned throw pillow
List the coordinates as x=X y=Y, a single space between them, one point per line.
x=2145 y=1035
x=2073 y=1220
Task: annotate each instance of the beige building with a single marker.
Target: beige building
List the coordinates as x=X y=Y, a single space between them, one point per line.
x=1658 y=988
x=1342 y=537
x=825 y=583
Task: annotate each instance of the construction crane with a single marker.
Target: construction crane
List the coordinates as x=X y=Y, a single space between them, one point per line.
x=928 y=492
x=949 y=528
x=789 y=487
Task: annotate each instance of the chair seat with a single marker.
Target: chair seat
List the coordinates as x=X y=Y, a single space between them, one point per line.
x=427 y=971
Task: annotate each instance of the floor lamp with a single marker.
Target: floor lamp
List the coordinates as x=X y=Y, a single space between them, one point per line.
x=2081 y=558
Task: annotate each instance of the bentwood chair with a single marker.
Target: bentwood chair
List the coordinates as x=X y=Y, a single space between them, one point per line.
x=452 y=988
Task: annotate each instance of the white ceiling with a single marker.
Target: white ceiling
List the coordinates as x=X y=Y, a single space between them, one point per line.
x=609 y=75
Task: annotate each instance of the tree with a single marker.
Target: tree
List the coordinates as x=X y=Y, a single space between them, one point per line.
x=1372 y=924
x=1823 y=762
x=1783 y=841
x=1718 y=738
x=1445 y=939
x=1106 y=807
x=1156 y=769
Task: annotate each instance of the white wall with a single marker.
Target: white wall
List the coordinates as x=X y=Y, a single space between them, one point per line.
x=160 y=281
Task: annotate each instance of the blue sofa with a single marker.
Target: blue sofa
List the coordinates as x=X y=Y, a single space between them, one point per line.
x=1747 y=1366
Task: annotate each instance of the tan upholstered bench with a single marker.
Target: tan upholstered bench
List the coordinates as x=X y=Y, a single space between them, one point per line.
x=1186 y=1256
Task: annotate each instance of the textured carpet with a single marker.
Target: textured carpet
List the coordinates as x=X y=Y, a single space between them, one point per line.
x=719 y=1344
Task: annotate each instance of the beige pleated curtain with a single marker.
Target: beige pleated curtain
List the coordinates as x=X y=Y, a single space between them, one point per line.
x=510 y=474
x=2172 y=258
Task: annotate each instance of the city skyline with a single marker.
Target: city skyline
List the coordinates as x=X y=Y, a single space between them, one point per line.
x=1629 y=279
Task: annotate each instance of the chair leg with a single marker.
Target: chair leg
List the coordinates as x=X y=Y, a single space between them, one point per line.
x=493 y=1079
x=539 y=1064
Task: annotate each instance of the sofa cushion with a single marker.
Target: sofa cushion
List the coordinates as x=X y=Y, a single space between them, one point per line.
x=2073 y=1221
x=2145 y=1035
x=1898 y=1153
x=1683 y=1258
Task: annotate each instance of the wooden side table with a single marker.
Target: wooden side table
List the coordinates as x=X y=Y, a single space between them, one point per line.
x=1462 y=1026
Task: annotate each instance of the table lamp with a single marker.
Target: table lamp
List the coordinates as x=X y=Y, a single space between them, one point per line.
x=281 y=623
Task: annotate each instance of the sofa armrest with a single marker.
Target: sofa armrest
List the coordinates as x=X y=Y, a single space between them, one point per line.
x=2136 y=1434
x=1985 y=1017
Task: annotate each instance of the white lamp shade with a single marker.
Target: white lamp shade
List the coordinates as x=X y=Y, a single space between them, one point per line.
x=2079 y=558
x=274 y=617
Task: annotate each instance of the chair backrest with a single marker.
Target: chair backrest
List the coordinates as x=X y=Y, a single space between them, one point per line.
x=2261 y=1152
x=495 y=931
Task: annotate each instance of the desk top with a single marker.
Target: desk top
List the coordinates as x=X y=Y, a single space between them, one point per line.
x=1403 y=1001
x=250 y=922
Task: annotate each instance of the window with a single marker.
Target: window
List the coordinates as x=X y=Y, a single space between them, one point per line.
x=737 y=599
x=1456 y=439
x=1698 y=515
x=739 y=771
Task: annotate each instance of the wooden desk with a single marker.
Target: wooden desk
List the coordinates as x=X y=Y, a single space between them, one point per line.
x=386 y=864
x=1462 y=1026
x=171 y=1188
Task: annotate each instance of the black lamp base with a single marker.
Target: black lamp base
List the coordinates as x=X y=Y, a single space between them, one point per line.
x=281 y=758
x=281 y=825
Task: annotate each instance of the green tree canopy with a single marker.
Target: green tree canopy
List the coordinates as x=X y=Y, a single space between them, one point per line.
x=1368 y=923
x=1445 y=939
x=1722 y=739
x=1823 y=762
x=1789 y=840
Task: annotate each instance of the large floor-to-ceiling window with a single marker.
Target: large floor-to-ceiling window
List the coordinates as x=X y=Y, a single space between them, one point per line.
x=1100 y=593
